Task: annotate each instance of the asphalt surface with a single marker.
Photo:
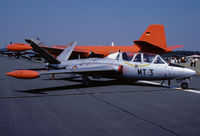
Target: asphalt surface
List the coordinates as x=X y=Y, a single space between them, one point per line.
x=63 y=107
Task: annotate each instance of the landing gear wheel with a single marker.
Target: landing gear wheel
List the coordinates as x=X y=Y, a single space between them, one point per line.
x=184 y=85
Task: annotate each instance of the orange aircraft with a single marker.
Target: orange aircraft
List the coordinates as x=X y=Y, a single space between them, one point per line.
x=152 y=41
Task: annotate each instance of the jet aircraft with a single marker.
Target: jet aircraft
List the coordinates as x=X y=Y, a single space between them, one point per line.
x=138 y=66
x=152 y=41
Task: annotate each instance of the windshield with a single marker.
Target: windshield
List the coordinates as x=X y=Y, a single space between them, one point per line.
x=158 y=60
x=164 y=59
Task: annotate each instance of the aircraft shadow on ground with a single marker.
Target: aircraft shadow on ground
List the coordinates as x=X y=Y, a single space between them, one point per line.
x=93 y=83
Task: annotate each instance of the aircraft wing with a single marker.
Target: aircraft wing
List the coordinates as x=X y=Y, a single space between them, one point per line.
x=53 y=50
x=77 y=70
x=56 y=50
x=88 y=53
x=89 y=70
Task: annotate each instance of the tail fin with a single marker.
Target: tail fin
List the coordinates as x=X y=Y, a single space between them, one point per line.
x=155 y=35
x=34 y=43
x=67 y=52
x=153 y=40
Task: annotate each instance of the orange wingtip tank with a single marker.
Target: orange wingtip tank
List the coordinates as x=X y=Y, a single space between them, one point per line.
x=23 y=74
x=18 y=47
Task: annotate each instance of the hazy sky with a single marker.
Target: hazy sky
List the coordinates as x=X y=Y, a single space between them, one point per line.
x=99 y=22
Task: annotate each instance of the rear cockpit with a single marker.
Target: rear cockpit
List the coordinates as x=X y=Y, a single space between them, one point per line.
x=138 y=57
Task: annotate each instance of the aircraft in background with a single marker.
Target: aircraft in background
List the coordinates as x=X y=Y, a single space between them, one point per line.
x=140 y=66
x=152 y=41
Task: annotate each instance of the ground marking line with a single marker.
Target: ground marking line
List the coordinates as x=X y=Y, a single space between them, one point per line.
x=173 y=87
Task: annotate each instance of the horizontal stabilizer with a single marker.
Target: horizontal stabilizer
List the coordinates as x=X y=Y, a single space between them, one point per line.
x=147 y=47
x=175 y=47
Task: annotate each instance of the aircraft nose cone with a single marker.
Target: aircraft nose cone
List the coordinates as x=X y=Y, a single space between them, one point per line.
x=23 y=74
x=191 y=72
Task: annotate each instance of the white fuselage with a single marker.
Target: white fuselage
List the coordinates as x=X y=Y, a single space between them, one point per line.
x=132 y=70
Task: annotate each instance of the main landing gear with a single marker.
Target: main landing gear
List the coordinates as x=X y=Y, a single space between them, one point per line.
x=85 y=80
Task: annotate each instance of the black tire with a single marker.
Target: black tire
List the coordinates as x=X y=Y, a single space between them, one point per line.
x=184 y=85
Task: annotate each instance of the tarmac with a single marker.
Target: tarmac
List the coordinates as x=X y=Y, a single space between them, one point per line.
x=63 y=107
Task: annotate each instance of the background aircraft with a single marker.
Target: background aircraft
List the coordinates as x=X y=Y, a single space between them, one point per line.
x=118 y=65
x=152 y=41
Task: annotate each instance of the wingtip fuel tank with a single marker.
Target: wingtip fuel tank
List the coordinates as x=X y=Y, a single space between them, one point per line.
x=23 y=74
x=18 y=47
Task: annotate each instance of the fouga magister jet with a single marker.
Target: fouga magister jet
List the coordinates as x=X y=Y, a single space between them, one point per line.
x=153 y=40
x=139 y=66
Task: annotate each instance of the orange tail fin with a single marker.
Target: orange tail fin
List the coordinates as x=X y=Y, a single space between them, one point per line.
x=153 y=40
x=155 y=35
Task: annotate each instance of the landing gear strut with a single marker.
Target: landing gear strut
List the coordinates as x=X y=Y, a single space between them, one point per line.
x=85 y=80
x=169 y=83
x=53 y=77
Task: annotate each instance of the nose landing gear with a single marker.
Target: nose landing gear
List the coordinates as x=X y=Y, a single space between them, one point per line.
x=184 y=83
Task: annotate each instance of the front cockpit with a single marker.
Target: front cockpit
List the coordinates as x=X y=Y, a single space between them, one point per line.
x=138 y=57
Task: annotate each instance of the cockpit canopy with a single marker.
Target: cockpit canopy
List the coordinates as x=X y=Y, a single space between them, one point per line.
x=138 y=57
